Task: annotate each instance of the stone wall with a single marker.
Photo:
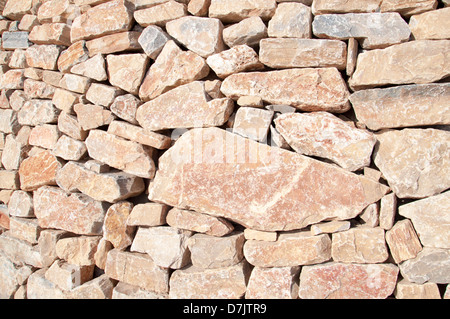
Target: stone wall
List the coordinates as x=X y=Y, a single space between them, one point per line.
x=225 y=149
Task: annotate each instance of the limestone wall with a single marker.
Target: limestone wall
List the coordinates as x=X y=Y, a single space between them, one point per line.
x=225 y=149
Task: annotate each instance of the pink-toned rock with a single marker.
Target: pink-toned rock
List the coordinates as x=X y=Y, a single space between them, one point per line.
x=49 y=10
x=128 y=156
x=433 y=25
x=347 y=281
x=96 y=21
x=149 y=214
x=308 y=89
x=56 y=209
x=38 y=89
x=290 y=249
x=16 y=9
x=79 y=250
x=125 y=107
x=43 y=56
x=201 y=223
x=403 y=241
x=69 y=148
x=94 y=68
x=126 y=71
x=249 y=31
x=117 y=42
x=230 y=11
x=273 y=283
x=172 y=68
x=409 y=290
x=51 y=33
x=198 y=283
x=92 y=116
x=184 y=107
x=115 y=229
x=12 y=79
x=160 y=14
x=76 y=53
x=44 y=136
x=325 y=135
x=258 y=204
x=38 y=170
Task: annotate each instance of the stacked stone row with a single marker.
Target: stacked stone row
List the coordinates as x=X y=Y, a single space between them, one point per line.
x=224 y=149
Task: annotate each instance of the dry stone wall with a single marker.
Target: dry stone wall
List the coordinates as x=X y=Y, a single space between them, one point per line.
x=225 y=149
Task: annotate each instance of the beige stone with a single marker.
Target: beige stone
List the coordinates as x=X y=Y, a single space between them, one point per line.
x=38 y=170
x=323 y=134
x=250 y=101
x=103 y=248
x=76 y=53
x=329 y=227
x=344 y=6
x=102 y=94
x=409 y=290
x=65 y=100
x=47 y=244
x=364 y=245
x=97 y=288
x=258 y=204
x=201 y=223
x=109 y=187
x=273 y=283
x=371 y=215
x=204 y=36
x=160 y=14
x=290 y=249
x=430 y=219
x=232 y=11
x=9 y=179
x=38 y=89
x=126 y=71
x=128 y=156
x=67 y=276
x=26 y=229
x=43 y=56
x=220 y=283
x=408 y=7
x=15 y=151
x=95 y=22
x=172 y=68
x=347 y=281
x=403 y=241
x=430 y=265
x=199 y=7
x=167 y=246
x=402 y=106
x=433 y=25
x=115 y=229
x=20 y=204
x=27 y=22
x=295 y=53
x=414 y=161
x=125 y=107
x=52 y=77
x=51 y=33
x=249 y=31
x=307 y=89
x=18 y=60
x=388 y=210
x=374 y=30
x=54 y=8
x=38 y=287
x=291 y=20
x=92 y=116
x=420 y=62
x=94 y=68
x=37 y=112
x=127 y=291
x=140 y=135
x=78 y=250
x=16 y=9
x=68 y=124
x=13 y=79
x=75 y=83
x=252 y=234
x=237 y=59
x=56 y=209
x=117 y=42
x=252 y=123
x=8 y=121
x=19 y=251
x=149 y=214
x=184 y=107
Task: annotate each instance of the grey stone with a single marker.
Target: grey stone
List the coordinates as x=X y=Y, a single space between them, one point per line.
x=431 y=264
x=15 y=40
x=152 y=40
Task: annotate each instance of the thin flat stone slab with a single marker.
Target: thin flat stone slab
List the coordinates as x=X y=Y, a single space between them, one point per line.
x=415 y=162
x=300 y=53
x=265 y=188
x=107 y=18
x=186 y=106
x=375 y=30
x=325 y=135
x=403 y=106
x=419 y=62
x=431 y=219
x=308 y=89
x=347 y=281
x=430 y=265
x=76 y=213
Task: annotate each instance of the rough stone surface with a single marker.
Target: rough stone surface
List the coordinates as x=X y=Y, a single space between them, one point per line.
x=115 y=229
x=232 y=11
x=252 y=123
x=347 y=281
x=403 y=106
x=160 y=14
x=306 y=89
x=126 y=71
x=249 y=31
x=433 y=25
x=278 y=198
x=324 y=135
x=403 y=241
x=376 y=30
x=419 y=62
x=273 y=283
x=291 y=20
x=38 y=170
x=414 y=161
x=152 y=40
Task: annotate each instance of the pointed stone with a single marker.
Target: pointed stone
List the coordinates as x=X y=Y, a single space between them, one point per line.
x=92 y=116
x=76 y=53
x=347 y=281
x=128 y=156
x=126 y=71
x=403 y=106
x=93 y=68
x=249 y=31
x=115 y=229
x=259 y=206
x=184 y=107
x=414 y=161
x=56 y=209
x=152 y=40
x=172 y=68
x=160 y=14
x=125 y=107
x=308 y=89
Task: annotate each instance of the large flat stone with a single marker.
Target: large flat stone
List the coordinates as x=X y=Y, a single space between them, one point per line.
x=231 y=11
x=321 y=89
x=419 y=62
x=415 y=162
x=403 y=106
x=225 y=175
